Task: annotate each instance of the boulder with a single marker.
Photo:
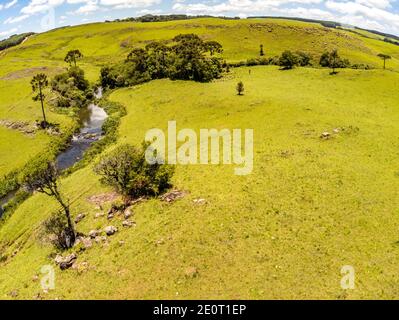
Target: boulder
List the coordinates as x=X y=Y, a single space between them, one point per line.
x=173 y=196
x=199 y=201
x=128 y=223
x=100 y=239
x=94 y=233
x=325 y=135
x=128 y=213
x=79 y=217
x=110 y=230
x=191 y=272
x=65 y=262
x=99 y=215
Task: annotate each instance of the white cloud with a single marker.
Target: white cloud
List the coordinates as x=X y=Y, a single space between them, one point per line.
x=8 y=32
x=16 y=19
x=119 y=4
x=10 y=4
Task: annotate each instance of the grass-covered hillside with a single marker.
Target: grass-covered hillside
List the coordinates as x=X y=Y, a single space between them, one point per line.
x=310 y=207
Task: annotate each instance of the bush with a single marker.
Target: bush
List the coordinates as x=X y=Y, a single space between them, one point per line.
x=127 y=170
x=288 y=60
x=333 y=60
x=304 y=59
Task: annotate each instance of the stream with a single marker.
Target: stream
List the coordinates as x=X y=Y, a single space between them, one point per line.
x=91 y=120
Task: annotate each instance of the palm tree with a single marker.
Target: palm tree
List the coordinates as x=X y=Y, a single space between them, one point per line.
x=262 y=53
x=240 y=88
x=384 y=57
x=72 y=56
x=39 y=82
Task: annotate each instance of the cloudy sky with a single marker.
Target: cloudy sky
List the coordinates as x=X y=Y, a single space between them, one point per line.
x=18 y=16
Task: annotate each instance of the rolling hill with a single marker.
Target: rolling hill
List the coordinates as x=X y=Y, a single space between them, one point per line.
x=310 y=207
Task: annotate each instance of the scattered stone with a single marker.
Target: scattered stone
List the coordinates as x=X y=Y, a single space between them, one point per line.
x=337 y=130
x=35 y=278
x=173 y=196
x=99 y=215
x=80 y=267
x=191 y=272
x=79 y=217
x=141 y=199
x=110 y=230
x=23 y=127
x=100 y=199
x=110 y=216
x=121 y=242
x=38 y=296
x=325 y=135
x=94 y=233
x=58 y=259
x=65 y=262
x=87 y=243
x=100 y=239
x=160 y=242
x=128 y=213
x=128 y=223
x=14 y=293
x=199 y=201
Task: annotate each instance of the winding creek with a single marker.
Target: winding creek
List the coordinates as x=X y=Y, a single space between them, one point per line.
x=91 y=120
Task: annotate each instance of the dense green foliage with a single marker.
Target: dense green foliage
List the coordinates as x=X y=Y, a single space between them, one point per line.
x=14 y=40
x=127 y=170
x=188 y=58
x=71 y=89
x=333 y=60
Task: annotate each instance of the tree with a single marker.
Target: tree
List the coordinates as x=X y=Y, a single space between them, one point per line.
x=39 y=82
x=127 y=170
x=72 y=56
x=334 y=60
x=304 y=59
x=214 y=47
x=288 y=60
x=240 y=88
x=262 y=53
x=384 y=57
x=41 y=175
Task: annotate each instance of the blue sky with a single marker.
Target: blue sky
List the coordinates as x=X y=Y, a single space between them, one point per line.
x=18 y=16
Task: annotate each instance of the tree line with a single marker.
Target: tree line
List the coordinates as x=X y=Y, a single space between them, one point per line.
x=187 y=58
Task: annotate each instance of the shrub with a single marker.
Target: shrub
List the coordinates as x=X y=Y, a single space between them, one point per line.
x=304 y=59
x=127 y=170
x=288 y=60
x=240 y=88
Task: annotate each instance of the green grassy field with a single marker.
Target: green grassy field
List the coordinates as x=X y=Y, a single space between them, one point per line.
x=310 y=207
x=110 y=42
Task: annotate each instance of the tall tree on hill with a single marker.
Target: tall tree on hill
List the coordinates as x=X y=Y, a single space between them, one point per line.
x=42 y=177
x=72 y=56
x=39 y=82
x=384 y=57
x=240 y=88
x=261 y=53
